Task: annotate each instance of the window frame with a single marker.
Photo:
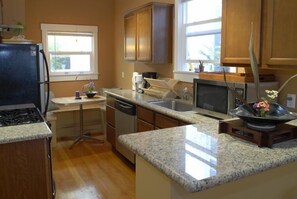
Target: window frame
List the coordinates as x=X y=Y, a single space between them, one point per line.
x=72 y=29
x=180 y=44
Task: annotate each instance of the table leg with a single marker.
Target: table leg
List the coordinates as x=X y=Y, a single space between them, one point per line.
x=82 y=135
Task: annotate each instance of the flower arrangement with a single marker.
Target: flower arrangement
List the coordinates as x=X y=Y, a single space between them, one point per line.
x=90 y=87
x=263 y=106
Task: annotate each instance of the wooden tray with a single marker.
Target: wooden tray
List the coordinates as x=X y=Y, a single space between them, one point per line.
x=236 y=77
x=237 y=128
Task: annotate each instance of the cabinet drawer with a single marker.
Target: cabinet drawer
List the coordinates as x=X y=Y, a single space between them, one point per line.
x=110 y=101
x=144 y=126
x=110 y=134
x=162 y=121
x=145 y=114
x=110 y=115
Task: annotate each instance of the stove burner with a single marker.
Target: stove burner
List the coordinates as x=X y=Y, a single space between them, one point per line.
x=19 y=116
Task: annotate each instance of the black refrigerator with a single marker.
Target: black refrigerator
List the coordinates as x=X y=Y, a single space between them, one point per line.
x=24 y=75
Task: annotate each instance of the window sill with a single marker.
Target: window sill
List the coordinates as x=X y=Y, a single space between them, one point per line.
x=185 y=76
x=61 y=78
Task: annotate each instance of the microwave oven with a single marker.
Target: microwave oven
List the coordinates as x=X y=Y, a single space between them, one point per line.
x=214 y=96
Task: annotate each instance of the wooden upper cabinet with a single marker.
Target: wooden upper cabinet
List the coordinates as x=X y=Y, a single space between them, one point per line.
x=144 y=34
x=152 y=27
x=236 y=29
x=130 y=37
x=281 y=33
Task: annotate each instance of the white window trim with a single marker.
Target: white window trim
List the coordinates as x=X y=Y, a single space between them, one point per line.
x=180 y=42
x=75 y=28
x=178 y=73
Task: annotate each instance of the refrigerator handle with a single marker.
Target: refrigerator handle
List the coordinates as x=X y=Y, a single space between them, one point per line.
x=46 y=82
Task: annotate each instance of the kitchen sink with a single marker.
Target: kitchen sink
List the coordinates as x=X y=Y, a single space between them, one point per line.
x=173 y=105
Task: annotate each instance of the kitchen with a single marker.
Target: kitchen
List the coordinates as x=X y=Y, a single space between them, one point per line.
x=108 y=16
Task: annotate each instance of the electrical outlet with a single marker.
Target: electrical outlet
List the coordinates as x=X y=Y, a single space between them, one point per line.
x=291 y=100
x=123 y=75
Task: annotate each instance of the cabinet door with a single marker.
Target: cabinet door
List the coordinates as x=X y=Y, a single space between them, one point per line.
x=162 y=121
x=130 y=37
x=110 y=125
x=236 y=29
x=144 y=126
x=25 y=170
x=144 y=34
x=281 y=33
x=110 y=116
x=145 y=114
x=110 y=134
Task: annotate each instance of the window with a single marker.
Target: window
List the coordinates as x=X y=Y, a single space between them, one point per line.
x=71 y=51
x=198 y=36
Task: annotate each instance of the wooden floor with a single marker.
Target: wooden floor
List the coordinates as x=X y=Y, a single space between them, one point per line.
x=90 y=171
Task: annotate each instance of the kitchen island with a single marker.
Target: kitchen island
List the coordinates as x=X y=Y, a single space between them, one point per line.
x=193 y=160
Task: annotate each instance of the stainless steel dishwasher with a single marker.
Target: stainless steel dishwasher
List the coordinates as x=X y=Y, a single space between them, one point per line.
x=125 y=123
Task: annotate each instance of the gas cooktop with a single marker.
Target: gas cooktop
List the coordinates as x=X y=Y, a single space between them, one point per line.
x=19 y=114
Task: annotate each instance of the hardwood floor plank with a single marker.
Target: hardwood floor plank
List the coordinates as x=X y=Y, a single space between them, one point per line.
x=91 y=171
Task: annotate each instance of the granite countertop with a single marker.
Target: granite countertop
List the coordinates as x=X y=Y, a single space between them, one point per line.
x=24 y=132
x=198 y=158
x=179 y=151
x=142 y=100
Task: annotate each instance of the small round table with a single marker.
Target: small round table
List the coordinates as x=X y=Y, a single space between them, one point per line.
x=66 y=101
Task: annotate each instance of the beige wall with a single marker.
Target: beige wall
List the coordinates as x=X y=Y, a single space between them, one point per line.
x=13 y=11
x=121 y=7
x=92 y=12
x=108 y=16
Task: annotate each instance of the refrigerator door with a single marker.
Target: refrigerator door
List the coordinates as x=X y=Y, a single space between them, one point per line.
x=44 y=80
x=20 y=74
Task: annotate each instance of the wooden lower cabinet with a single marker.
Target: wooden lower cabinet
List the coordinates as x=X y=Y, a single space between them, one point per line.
x=110 y=115
x=110 y=134
x=144 y=126
x=148 y=120
x=110 y=125
x=163 y=121
x=110 y=120
x=145 y=114
x=26 y=170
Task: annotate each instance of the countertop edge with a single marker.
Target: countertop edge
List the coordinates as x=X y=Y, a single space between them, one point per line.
x=24 y=132
x=183 y=116
x=199 y=185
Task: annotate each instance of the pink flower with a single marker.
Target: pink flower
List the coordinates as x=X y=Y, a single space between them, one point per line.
x=263 y=107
